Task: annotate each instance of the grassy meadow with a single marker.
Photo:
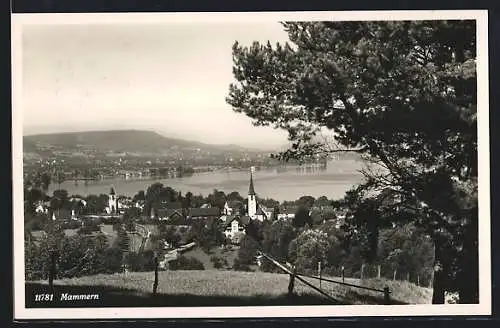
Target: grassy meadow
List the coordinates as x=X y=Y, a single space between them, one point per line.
x=220 y=288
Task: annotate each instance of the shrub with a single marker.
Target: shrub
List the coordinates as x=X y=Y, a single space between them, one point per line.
x=239 y=266
x=218 y=262
x=186 y=263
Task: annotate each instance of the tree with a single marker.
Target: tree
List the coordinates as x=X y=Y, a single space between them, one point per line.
x=217 y=199
x=45 y=181
x=235 y=196
x=400 y=93
x=276 y=241
x=306 y=201
x=247 y=252
x=140 y=196
x=322 y=202
x=309 y=248
x=302 y=218
x=186 y=263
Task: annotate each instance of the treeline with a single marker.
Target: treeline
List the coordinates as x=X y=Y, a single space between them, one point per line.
x=401 y=252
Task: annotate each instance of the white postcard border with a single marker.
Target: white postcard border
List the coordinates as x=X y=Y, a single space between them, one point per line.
x=483 y=308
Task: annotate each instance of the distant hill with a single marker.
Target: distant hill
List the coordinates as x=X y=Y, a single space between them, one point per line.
x=137 y=141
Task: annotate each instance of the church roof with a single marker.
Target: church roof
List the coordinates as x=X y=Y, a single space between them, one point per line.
x=251 y=190
x=204 y=212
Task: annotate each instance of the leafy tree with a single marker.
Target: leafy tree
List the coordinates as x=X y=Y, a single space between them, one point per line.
x=247 y=251
x=122 y=240
x=306 y=201
x=400 y=93
x=217 y=199
x=242 y=210
x=139 y=196
x=169 y=233
x=322 y=202
x=96 y=204
x=45 y=181
x=276 y=241
x=302 y=218
x=309 y=248
x=187 y=200
x=234 y=196
x=186 y=263
x=218 y=262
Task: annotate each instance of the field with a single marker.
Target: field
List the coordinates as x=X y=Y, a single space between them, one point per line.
x=198 y=253
x=219 y=288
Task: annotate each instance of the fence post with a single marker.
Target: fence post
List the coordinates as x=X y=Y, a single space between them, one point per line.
x=52 y=271
x=408 y=277
x=378 y=271
x=342 y=273
x=394 y=276
x=155 y=284
x=387 y=296
x=418 y=279
x=362 y=269
x=291 y=283
x=319 y=273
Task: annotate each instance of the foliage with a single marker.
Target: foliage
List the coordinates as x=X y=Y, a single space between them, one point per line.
x=247 y=251
x=310 y=247
x=302 y=218
x=186 y=263
x=140 y=262
x=89 y=226
x=276 y=241
x=219 y=262
x=207 y=236
x=239 y=265
x=169 y=234
x=402 y=94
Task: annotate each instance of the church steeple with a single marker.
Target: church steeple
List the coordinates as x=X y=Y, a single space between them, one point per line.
x=252 y=202
x=251 y=190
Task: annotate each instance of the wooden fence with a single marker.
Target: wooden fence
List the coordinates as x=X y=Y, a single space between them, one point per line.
x=291 y=271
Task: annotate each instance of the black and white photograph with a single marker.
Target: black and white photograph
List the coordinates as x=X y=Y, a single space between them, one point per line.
x=232 y=165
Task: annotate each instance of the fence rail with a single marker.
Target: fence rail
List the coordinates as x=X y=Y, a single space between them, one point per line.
x=343 y=283
x=294 y=275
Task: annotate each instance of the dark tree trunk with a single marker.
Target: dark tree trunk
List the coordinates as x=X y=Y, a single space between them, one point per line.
x=469 y=273
x=439 y=279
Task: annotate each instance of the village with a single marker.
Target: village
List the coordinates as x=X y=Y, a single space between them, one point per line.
x=231 y=220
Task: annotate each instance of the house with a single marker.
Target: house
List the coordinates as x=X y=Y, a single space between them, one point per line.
x=63 y=214
x=164 y=214
x=140 y=205
x=204 y=213
x=123 y=203
x=234 y=227
x=268 y=212
x=42 y=207
x=287 y=213
x=232 y=207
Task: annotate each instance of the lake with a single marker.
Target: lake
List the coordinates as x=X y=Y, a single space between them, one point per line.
x=287 y=183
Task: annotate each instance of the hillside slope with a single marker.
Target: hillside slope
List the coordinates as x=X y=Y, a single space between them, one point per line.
x=222 y=288
x=119 y=141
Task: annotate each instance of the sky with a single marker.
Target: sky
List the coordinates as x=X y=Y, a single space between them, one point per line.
x=170 y=78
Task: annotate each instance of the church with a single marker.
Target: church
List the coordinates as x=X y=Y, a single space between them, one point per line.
x=255 y=211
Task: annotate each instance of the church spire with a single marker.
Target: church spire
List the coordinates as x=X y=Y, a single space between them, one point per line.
x=251 y=190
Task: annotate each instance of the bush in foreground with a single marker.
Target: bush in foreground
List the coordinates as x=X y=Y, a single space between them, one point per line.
x=186 y=263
